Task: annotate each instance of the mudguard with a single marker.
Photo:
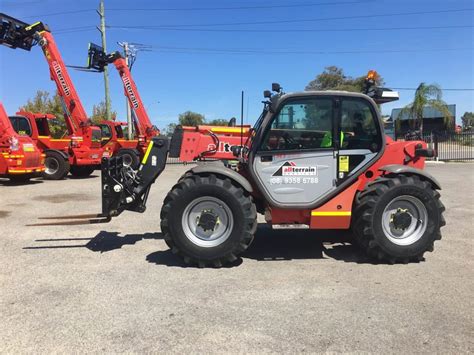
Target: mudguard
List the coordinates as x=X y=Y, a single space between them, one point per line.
x=220 y=169
x=63 y=154
x=403 y=169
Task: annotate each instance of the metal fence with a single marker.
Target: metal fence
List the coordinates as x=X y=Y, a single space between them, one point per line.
x=176 y=161
x=450 y=146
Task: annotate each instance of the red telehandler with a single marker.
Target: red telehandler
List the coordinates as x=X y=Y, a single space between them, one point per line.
x=80 y=152
x=211 y=141
x=20 y=159
x=131 y=151
x=313 y=160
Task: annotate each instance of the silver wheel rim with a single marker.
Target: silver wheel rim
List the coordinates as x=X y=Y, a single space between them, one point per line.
x=419 y=220
x=126 y=160
x=51 y=166
x=195 y=233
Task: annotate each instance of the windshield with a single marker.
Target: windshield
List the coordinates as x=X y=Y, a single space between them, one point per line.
x=257 y=125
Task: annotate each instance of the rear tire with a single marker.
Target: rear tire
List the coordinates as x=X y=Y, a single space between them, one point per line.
x=208 y=220
x=398 y=219
x=82 y=171
x=56 y=166
x=130 y=158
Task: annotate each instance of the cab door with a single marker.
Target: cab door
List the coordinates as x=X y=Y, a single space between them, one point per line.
x=295 y=161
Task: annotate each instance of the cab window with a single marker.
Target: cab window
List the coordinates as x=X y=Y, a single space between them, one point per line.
x=301 y=124
x=106 y=133
x=21 y=125
x=119 y=132
x=358 y=126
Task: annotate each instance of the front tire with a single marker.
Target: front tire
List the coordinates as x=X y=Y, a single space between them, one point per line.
x=208 y=220
x=56 y=166
x=398 y=219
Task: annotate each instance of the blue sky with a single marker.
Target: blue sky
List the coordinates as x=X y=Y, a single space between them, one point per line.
x=198 y=78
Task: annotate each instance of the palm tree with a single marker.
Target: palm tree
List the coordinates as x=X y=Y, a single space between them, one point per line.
x=426 y=96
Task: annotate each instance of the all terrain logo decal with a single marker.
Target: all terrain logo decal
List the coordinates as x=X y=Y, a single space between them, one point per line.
x=131 y=94
x=289 y=173
x=223 y=147
x=290 y=169
x=62 y=81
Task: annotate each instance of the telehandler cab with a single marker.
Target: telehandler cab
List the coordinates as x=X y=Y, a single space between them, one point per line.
x=20 y=159
x=313 y=160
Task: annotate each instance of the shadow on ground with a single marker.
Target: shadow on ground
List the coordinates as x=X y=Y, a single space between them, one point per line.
x=102 y=242
x=72 y=177
x=268 y=245
x=7 y=182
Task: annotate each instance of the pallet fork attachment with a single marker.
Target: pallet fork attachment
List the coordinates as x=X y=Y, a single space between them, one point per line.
x=18 y=34
x=123 y=189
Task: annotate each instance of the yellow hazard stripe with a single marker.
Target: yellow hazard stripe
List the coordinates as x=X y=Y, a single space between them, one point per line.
x=16 y=171
x=147 y=153
x=331 y=213
x=229 y=129
x=31 y=26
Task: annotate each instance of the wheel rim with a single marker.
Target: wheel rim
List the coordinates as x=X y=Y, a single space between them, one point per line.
x=404 y=220
x=51 y=166
x=207 y=221
x=127 y=160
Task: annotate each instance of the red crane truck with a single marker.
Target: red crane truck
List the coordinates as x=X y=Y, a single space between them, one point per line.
x=20 y=159
x=80 y=152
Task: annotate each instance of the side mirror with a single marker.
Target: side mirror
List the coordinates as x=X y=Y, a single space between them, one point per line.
x=276 y=87
x=267 y=94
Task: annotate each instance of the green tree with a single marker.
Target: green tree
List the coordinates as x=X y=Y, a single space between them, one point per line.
x=42 y=102
x=426 y=95
x=99 y=113
x=218 y=122
x=333 y=78
x=467 y=120
x=190 y=118
x=169 y=130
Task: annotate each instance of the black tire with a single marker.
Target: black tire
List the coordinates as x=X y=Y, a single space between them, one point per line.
x=130 y=158
x=237 y=201
x=82 y=171
x=57 y=167
x=369 y=215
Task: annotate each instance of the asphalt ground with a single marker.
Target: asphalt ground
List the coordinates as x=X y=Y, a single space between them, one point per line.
x=117 y=288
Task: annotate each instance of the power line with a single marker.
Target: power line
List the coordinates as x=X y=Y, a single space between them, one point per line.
x=414 y=89
x=157 y=48
x=245 y=7
x=240 y=30
x=60 y=13
x=73 y=29
x=313 y=19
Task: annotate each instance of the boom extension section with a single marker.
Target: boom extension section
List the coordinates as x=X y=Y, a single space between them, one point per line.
x=122 y=187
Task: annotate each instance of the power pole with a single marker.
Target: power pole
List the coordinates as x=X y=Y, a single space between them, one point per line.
x=101 y=13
